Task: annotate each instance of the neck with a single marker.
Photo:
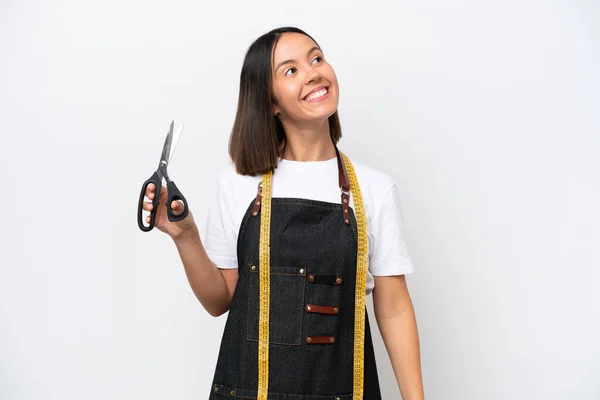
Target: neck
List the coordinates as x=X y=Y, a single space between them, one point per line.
x=308 y=143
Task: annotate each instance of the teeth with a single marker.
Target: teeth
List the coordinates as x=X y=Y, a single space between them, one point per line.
x=317 y=94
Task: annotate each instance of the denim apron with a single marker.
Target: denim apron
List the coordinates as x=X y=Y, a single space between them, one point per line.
x=312 y=292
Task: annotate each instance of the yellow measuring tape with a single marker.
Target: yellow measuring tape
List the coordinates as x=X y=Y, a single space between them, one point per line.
x=265 y=284
x=264 y=259
x=361 y=281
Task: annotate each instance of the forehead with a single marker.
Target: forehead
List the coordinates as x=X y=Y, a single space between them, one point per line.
x=292 y=45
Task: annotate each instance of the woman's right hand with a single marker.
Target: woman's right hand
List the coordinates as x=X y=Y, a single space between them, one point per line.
x=161 y=221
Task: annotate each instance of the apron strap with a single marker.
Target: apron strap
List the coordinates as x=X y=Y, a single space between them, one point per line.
x=344 y=187
x=344 y=183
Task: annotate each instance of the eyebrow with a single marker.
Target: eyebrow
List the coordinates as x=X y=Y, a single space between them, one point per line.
x=290 y=61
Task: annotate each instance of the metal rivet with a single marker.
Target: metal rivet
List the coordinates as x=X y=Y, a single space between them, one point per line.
x=258 y=203
x=336 y=310
x=338 y=280
x=232 y=392
x=346 y=210
x=345 y=200
x=347 y=221
x=253 y=268
x=301 y=270
x=311 y=278
x=331 y=340
x=255 y=213
x=308 y=308
x=216 y=388
x=309 y=339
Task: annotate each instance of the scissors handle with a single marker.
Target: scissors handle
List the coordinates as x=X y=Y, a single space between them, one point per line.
x=156 y=179
x=175 y=194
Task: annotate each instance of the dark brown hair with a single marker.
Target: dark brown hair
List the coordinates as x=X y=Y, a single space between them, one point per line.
x=257 y=136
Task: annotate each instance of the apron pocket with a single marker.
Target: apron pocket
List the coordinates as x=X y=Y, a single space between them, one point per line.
x=286 y=304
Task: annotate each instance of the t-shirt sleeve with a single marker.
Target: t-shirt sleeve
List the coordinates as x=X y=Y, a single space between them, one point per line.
x=388 y=253
x=219 y=240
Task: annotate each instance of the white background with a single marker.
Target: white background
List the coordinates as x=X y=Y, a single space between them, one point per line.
x=485 y=112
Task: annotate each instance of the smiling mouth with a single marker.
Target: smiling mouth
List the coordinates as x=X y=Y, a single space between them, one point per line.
x=316 y=95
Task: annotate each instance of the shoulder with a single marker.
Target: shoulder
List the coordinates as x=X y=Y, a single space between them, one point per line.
x=232 y=184
x=228 y=175
x=373 y=182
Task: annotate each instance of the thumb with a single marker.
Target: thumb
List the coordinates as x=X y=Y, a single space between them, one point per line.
x=177 y=207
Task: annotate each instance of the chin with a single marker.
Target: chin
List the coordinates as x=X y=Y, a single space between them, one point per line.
x=321 y=116
x=322 y=112
x=315 y=112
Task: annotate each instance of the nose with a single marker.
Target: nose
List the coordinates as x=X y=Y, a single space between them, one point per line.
x=312 y=75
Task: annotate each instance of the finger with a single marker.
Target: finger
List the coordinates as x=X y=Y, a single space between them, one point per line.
x=177 y=206
x=148 y=206
x=149 y=191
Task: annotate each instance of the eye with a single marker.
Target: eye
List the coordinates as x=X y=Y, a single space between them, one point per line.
x=287 y=71
x=318 y=59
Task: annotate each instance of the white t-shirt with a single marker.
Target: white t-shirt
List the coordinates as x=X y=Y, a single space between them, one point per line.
x=316 y=180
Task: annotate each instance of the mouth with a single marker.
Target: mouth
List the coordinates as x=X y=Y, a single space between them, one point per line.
x=317 y=94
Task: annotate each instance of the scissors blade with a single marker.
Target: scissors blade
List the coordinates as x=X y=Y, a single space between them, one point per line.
x=167 y=146
x=174 y=140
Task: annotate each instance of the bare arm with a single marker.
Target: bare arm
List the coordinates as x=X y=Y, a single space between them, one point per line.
x=213 y=287
x=397 y=323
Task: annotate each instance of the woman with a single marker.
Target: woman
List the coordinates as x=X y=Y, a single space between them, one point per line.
x=285 y=251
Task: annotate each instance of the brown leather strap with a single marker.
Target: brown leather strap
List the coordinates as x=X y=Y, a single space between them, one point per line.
x=313 y=308
x=344 y=183
x=257 y=201
x=320 y=339
x=344 y=187
x=325 y=279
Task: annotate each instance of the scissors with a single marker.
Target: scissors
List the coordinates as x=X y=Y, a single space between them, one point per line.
x=172 y=192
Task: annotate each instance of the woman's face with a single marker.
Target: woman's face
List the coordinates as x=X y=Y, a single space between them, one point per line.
x=304 y=84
